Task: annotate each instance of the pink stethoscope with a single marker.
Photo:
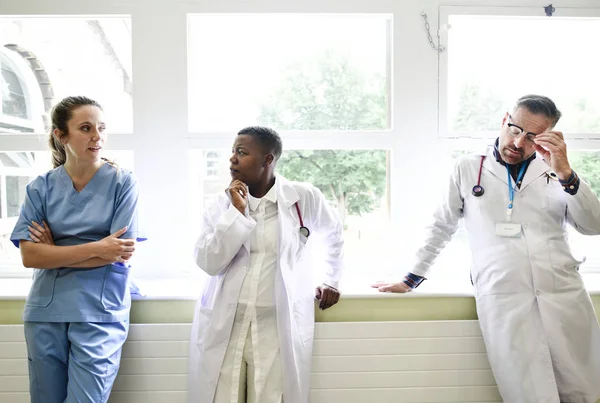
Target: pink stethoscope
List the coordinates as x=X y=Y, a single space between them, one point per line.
x=303 y=230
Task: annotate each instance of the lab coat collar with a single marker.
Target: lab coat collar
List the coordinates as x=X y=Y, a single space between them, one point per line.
x=286 y=192
x=271 y=196
x=536 y=167
x=494 y=166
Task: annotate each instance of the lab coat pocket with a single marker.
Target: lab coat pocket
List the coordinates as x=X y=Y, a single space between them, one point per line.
x=42 y=289
x=564 y=266
x=201 y=322
x=115 y=290
x=211 y=288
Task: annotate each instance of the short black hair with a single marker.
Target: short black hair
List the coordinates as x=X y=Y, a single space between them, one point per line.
x=540 y=105
x=268 y=138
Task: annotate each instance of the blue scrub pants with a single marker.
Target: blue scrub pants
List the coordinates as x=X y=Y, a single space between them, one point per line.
x=73 y=362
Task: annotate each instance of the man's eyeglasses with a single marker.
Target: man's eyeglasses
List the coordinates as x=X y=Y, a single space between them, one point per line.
x=516 y=131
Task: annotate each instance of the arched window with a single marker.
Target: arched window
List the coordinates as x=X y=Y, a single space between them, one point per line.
x=21 y=106
x=13 y=96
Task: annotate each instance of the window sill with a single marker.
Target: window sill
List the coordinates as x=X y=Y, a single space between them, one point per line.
x=183 y=289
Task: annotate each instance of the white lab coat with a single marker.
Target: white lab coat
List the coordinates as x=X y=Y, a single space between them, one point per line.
x=222 y=251
x=537 y=319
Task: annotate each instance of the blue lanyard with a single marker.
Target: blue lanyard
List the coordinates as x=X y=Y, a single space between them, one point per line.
x=511 y=189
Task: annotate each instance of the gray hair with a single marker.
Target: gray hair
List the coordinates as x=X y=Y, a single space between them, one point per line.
x=540 y=105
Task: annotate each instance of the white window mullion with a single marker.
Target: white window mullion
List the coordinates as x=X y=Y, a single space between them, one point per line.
x=159 y=139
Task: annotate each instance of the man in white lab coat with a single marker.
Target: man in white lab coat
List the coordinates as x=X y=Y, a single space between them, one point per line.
x=537 y=319
x=253 y=326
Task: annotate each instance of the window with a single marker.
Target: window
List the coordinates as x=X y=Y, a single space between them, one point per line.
x=587 y=166
x=355 y=182
x=213 y=164
x=44 y=59
x=16 y=171
x=326 y=90
x=488 y=67
x=332 y=77
x=13 y=96
x=277 y=72
x=15 y=190
x=20 y=110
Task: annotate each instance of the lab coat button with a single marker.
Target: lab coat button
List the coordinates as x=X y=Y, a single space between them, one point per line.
x=537 y=292
x=524 y=225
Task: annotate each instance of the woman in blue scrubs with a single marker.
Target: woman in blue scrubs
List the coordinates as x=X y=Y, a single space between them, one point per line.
x=78 y=228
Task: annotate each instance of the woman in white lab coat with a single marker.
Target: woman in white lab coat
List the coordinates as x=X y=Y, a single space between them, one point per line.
x=253 y=326
x=536 y=317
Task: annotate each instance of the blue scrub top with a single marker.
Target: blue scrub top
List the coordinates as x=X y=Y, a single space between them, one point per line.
x=106 y=204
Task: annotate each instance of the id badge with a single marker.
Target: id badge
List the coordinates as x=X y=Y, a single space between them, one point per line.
x=508 y=230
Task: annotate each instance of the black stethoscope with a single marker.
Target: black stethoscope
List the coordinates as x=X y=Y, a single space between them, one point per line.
x=478 y=190
x=303 y=230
